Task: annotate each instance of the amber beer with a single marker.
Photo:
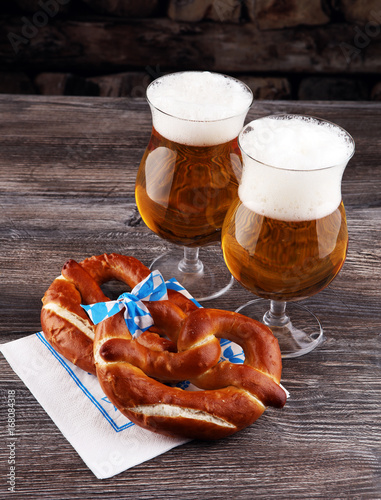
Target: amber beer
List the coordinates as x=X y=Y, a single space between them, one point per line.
x=284 y=260
x=189 y=189
x=285 y=237
x=190 y=171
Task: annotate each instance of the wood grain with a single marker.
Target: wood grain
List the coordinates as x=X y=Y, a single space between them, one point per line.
x=67 y=174
x=110 y=44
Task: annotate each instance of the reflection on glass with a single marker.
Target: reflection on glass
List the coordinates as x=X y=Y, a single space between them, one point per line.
x=189 y=173
x=285 y=236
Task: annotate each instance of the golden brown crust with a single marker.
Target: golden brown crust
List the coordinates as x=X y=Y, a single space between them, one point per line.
x=233 y=396
x=65 y=323
x=68 y=340
x=131 y=371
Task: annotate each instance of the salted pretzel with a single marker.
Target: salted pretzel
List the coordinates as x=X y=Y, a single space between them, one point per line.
x=233 y=396
x=66 y=325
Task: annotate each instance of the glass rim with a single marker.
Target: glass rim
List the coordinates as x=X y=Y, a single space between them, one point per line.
x=200 y=121
x=282 y=116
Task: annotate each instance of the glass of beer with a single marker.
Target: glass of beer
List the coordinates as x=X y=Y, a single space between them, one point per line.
x=285 y=236
x=189 y=174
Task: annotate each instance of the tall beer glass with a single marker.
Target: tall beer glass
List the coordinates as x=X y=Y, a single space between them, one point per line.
x=189 y=173
x=285 y=236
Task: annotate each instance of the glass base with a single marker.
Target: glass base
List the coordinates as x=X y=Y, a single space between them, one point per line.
x=209 y=278
x=300 y=334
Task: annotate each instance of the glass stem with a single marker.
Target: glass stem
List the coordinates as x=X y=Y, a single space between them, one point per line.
x=191 y=263
x=276 y=315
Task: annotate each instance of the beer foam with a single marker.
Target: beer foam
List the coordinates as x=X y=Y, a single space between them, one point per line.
x=198 y=108
x=293 y=166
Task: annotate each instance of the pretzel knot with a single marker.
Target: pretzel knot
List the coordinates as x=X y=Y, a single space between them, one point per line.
x=231 y=396
x=65 y=323
x=135 y=372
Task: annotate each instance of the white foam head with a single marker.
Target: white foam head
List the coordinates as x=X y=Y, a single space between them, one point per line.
x=293 y=166
x=198 y=108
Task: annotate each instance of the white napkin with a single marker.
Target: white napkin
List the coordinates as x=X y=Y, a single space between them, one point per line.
x=104 y=438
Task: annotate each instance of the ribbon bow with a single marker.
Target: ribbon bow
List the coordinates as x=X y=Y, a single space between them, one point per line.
x=136 y=314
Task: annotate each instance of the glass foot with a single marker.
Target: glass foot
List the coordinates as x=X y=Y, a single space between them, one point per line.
x=209 y=277
x=300 y=334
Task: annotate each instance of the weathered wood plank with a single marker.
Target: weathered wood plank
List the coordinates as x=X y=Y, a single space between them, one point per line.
x=271 y=14
x=198 y=10
x=125 y=8
x=367 y=11
x=161 y=45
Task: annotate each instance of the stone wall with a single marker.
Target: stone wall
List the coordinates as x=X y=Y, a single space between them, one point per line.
x=283 y=49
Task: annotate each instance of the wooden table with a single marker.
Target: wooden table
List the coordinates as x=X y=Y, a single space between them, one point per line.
x=67 y=174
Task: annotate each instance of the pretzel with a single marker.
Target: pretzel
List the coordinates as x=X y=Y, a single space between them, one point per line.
x=134 y=372
x=232 y=397
x=66 y=325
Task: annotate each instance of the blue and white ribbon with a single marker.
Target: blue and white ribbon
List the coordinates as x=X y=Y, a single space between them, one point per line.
x=138 y=318
x=172 y=284
x=136 y=314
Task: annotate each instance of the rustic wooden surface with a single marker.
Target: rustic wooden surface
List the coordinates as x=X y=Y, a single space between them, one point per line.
x=67 y=173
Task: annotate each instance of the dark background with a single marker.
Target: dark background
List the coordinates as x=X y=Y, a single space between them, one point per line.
x=283 y=49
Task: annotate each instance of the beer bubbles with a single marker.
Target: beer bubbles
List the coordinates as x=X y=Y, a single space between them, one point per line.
x=189 y=173
x=293 y=166
x=198 y=108
x=285 y=237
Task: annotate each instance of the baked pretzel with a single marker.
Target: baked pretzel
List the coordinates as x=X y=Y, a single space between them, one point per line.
x=233 y=396
x=66 y=325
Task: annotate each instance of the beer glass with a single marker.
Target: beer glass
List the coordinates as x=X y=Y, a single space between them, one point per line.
x=189 y=173
x=285 y=236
